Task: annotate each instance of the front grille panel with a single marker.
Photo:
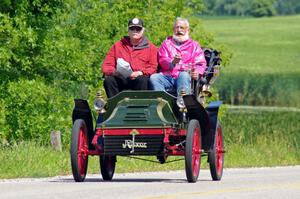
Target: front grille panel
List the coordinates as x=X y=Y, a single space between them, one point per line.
x=122 y=145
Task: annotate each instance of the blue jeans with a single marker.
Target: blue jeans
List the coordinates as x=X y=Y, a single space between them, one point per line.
x=160 y=82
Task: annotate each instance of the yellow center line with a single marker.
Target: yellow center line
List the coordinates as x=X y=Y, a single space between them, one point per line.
x=229 y=190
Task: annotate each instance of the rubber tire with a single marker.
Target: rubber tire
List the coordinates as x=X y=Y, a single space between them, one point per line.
x=193 y=151
x=79 y=150
x=162 y=158
x=107 y=167
x=216 y=156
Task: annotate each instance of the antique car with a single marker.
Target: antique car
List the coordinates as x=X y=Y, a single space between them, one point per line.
x=150 y=123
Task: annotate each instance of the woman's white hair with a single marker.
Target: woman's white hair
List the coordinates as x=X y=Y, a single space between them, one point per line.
x=182 y=19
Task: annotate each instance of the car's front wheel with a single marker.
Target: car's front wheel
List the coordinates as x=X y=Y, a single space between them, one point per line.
x=79 y=150
x=192 y=151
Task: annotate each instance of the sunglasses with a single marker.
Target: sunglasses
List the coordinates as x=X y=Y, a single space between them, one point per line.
x=135 y=28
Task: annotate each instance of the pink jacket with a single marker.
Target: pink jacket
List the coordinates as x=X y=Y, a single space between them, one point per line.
x=191 y=54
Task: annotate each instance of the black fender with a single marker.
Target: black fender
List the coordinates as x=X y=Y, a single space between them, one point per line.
x=213 y=110
x=196 y=111
x=207 y=117
x=82 y=111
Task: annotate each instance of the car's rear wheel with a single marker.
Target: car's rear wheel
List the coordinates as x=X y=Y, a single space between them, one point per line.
x=216 y=156
x=79 y=150
x=107 y=166
x=193 y=151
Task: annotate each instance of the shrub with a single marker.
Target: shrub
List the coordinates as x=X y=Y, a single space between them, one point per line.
x=51 y=52
x=259 y=89
x=262 y=8
x=34 y=109
x=3 y=125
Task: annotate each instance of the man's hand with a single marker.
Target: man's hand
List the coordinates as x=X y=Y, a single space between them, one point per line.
x=135 y=74
x=176 y=59
x=116 y=73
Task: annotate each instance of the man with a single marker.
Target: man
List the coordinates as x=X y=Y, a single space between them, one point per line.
x=181 y=59
x=130 y=61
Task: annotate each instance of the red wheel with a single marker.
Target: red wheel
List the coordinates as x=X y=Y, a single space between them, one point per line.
x=107 y=166
x=192 y=151
x=79 y=150
x=216 y=156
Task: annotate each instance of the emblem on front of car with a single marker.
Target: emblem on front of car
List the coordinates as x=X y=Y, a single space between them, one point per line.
x=134 y=132
x=131 y=144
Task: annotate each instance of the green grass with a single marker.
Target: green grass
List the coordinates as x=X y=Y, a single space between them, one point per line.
x=260 y=45
x=252 y=138
x=262 y=138
x=265 y=56
x=30 y=159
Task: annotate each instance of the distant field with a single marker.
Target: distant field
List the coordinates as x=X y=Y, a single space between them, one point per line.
x=265 y=68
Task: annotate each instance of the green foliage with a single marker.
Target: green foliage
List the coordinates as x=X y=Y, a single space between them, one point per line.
x=227 y=7
x=281 y=125
x=256 y=8
x=34 y=7
x=285 y=7
x=261 y=8
x=16 y=45
x=75 y=47
x=33 y=110
x=51 y=52
x=261 y=137
x=3 y=129
x=69 y=39
x=260 y=89
x=23 y=25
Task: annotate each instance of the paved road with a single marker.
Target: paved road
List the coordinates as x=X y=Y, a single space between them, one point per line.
x=269 y=183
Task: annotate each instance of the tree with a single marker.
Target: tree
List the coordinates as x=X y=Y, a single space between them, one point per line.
x=286 y=7
x=261 y=8
x=242 y=7
x=52 y=50
x=251 y=7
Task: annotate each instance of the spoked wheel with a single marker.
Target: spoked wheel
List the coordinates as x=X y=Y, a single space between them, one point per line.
x=216 y=156
x=79 y=150
x=107 y=165
x=192 y=151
